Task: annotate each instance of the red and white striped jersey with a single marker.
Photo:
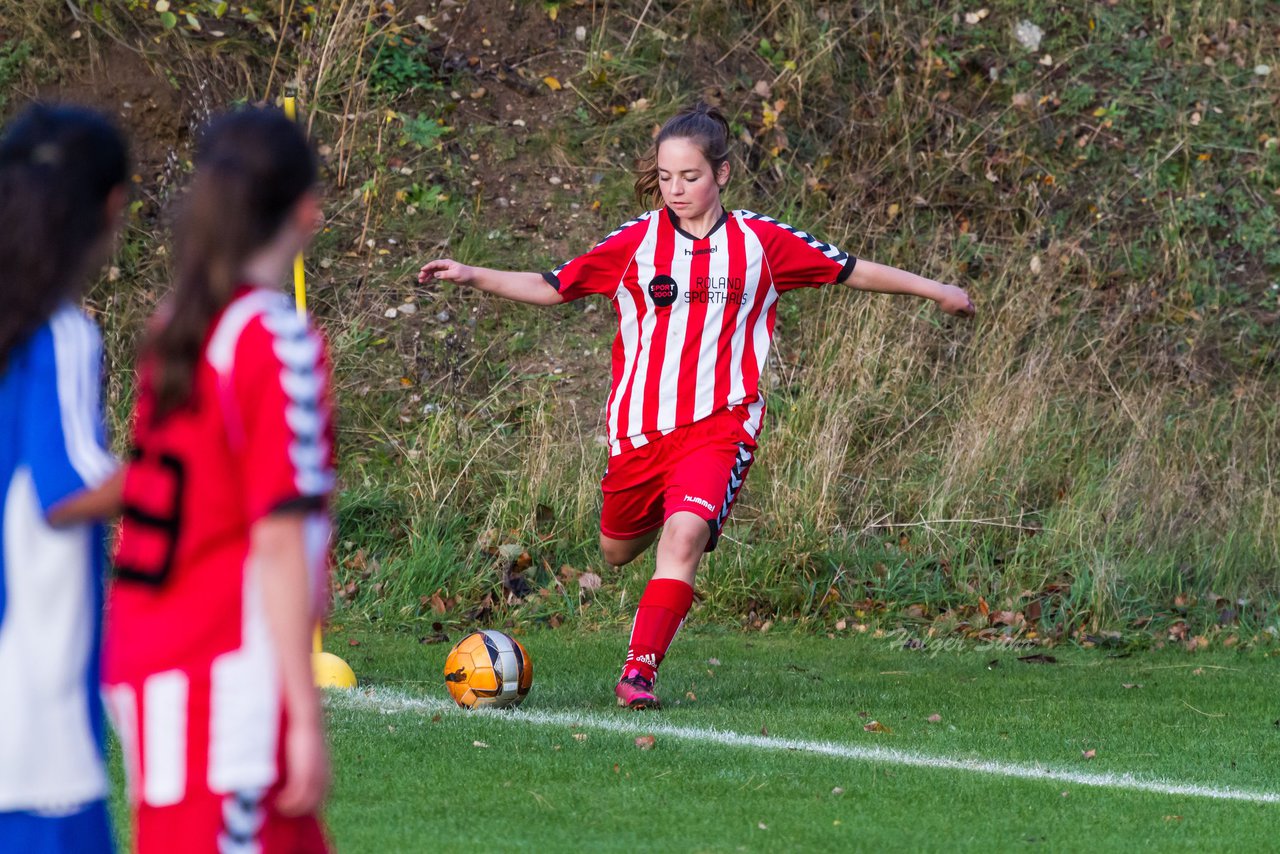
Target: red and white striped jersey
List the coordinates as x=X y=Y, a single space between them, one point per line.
x=695 y=315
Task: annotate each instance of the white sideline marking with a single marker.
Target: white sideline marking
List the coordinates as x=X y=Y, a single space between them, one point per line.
x=389 y=701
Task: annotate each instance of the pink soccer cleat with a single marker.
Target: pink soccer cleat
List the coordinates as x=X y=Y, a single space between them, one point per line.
x=636 y=692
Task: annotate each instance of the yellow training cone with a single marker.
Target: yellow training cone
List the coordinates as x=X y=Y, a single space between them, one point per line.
x=331 y=671
x=327 y=669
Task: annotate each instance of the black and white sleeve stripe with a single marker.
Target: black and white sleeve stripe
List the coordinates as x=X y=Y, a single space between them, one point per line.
x=842 y=258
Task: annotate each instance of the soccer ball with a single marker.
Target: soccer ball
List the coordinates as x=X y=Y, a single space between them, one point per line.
x=488 y=668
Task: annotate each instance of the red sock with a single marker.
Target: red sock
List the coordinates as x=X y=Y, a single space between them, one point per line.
x=662 y=609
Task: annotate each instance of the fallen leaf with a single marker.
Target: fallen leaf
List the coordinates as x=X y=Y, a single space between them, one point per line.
x=478 y=744
x=692 y=697
x=837 y=791
x=589 y=581
x=1128 y=685
x=552 y=83
x=934 y=719
x=353 y=642
x=1088 y=754
x=579 y=736
x=762 y=826
x=1006 y=618
x=646 y=742
x=764 y=730
x=876 y=726
x=714 y=662
x=976 y=17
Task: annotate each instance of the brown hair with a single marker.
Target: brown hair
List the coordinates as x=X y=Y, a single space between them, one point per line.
x=252 y=167
x=704 y=126
x=58 y=165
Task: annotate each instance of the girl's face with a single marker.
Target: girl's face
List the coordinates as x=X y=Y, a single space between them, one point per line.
x=689 y=185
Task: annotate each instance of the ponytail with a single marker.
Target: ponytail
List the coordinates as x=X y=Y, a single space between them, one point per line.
x=703 y=125
x=252 y=168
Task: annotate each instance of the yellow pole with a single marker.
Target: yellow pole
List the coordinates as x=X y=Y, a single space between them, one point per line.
x=299 y=273
x=329 y=670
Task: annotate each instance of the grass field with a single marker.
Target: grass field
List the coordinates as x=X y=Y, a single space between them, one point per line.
x=1095 y=457
x=564 y=772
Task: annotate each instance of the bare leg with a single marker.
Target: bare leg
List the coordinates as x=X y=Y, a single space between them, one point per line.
x=622 y=552
x=684 y=537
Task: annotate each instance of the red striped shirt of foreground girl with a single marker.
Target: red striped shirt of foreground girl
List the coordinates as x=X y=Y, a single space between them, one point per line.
x=223 y=553
x=695 y=288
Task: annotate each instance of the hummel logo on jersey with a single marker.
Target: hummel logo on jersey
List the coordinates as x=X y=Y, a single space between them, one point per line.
x=704 y=502
x=710 y=250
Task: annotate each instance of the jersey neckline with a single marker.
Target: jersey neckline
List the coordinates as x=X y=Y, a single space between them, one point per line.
x=675 y=223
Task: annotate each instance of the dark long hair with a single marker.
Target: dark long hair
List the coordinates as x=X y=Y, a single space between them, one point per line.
x=252 y=167
x=704 y=126
x=58 y=165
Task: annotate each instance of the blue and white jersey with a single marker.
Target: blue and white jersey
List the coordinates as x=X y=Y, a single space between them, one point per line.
x=52 y=445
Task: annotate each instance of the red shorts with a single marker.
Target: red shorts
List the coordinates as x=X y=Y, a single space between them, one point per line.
x=177 y=744
x=698 y=468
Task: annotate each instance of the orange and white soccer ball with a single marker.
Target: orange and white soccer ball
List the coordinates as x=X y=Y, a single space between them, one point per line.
x=488 y=668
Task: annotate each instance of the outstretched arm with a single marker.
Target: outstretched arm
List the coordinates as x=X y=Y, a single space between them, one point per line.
x=521 y=287
x=881 y=278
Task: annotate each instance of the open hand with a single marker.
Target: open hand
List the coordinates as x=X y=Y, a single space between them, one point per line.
x=445 y=269
x=955 y=301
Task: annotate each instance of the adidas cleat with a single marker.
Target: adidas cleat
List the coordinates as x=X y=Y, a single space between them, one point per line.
x=636 y=692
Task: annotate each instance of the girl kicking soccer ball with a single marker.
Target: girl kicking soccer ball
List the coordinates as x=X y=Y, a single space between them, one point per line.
x=695 y=288
x=222 y=558
x=63 y=174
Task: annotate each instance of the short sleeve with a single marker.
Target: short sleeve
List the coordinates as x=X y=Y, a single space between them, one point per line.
x=63 y=432
x=280 y=380
x=600 y=271
x=797 y=259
